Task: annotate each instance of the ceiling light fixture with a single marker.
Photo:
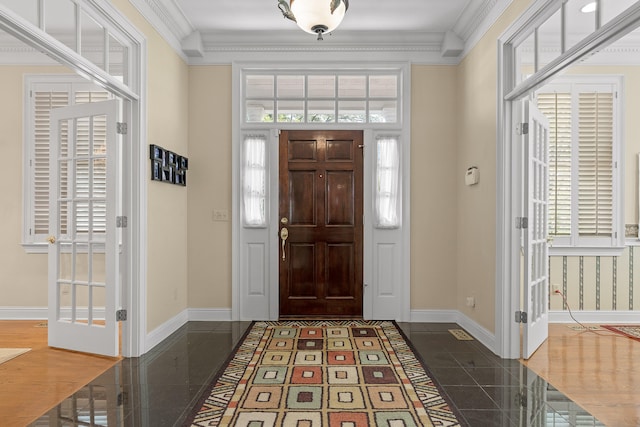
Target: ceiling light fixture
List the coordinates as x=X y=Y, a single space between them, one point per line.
x=589 y=7
x=315 y=16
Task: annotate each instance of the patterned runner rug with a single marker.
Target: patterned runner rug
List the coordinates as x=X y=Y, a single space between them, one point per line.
x=323 y=373
x=631 y=331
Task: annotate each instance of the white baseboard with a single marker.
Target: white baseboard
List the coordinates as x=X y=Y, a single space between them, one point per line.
x=479 y=332
x=209 y=315
x=591 y=316
x=24 y=313
x=163 y=331
x=487 y=338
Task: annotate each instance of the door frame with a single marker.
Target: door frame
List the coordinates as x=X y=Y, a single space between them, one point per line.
x=509 y=176
x=266 y=245
x=134 y=112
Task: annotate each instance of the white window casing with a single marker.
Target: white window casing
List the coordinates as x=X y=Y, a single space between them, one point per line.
x=585 y=152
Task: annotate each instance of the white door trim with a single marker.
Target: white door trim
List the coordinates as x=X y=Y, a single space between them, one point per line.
x=267 y=249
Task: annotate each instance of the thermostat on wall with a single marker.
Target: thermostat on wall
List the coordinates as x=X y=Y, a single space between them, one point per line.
x=472 y=176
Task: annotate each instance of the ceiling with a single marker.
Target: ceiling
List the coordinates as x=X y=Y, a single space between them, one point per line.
x=435 y=16
x=442 y=26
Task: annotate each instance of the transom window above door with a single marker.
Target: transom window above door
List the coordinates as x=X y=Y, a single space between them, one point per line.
x=323 y=97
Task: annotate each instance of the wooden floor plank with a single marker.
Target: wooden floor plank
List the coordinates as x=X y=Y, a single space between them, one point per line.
x=598 y=370
x=38 y=380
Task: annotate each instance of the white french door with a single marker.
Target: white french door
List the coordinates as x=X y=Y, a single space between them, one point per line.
x=536 y=249
x=83 y=250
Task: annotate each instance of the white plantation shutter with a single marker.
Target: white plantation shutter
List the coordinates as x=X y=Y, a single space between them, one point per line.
x=584 y=199
x=43 y=102
x=90 y=159
x=91 y=162
x=557 y=107
x=595 y=204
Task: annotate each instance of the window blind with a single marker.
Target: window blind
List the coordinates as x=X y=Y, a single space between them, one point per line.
x=91 y=167
x=89 y=161
x=43 y=103
x=557 y=108
x=595 y=201
x=582 y=165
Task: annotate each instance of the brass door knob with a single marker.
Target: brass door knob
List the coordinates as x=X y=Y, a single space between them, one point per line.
x=51 y=239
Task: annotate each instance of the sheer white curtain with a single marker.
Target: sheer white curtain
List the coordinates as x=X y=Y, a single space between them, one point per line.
x=254 y=181
x=387 y=182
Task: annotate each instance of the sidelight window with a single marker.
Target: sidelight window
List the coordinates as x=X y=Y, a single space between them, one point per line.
x=387 y=182
x=255 y=181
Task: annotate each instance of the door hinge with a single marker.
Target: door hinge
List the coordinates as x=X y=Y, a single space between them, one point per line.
x=121 y=222
x=522 y=128
x=121 y=315
x=521 y=317
x=123 y=399
x=522 y=222
x=121 y=128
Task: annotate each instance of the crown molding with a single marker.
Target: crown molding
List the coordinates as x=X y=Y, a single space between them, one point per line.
x=168 y=19
x=416 y=47
x=473 y=27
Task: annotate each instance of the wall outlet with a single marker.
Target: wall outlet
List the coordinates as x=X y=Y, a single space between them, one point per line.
x=471 y=302
x=555 y=288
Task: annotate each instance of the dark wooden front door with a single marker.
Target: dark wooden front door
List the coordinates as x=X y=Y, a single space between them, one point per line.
x=321 y=208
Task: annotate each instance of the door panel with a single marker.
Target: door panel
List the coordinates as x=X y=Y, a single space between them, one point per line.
x=83 y=250
x=536 y=257
x=321 y=188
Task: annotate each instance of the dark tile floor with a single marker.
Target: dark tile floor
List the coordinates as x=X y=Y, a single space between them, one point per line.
x=159 y=388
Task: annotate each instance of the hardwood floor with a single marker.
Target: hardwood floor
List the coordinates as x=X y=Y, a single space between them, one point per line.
x=599 y=371
x=38 y=380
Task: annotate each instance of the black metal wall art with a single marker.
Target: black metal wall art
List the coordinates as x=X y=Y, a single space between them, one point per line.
x=167 y=166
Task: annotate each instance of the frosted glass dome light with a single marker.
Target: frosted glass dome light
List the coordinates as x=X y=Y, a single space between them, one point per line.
x=315 y=16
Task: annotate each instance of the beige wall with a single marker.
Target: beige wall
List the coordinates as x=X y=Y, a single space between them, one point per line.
x=434 y=124
x=209 y=250
x=476 y=226
x=167 y=126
